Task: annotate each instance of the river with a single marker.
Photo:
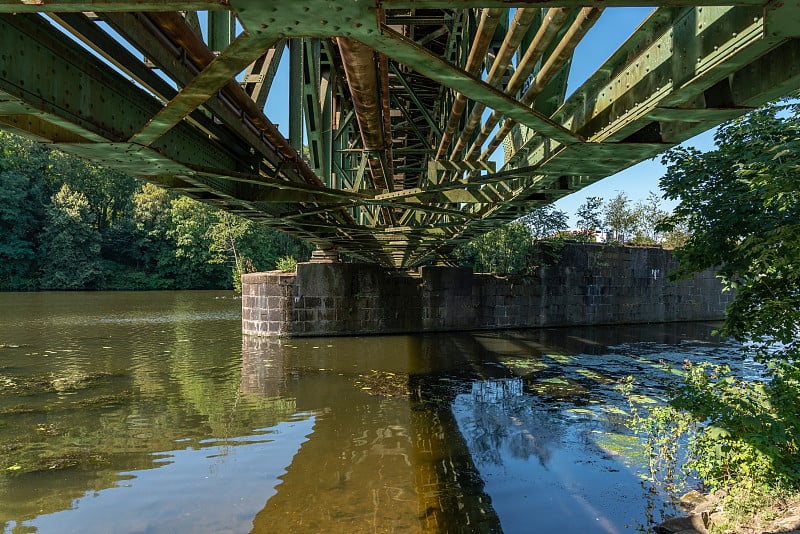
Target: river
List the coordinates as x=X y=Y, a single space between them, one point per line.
x=150 y=412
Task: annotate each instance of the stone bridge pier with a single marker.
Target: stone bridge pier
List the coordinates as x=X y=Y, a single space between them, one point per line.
x=587 y=285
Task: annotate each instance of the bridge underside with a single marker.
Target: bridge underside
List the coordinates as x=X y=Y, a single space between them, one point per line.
x=394 y=106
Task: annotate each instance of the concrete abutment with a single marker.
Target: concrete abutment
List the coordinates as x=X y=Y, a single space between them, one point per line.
x=589 y=285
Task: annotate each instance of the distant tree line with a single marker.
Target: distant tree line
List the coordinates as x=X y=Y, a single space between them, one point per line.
x=619 y=220
x=69 y=224
x=524 y=245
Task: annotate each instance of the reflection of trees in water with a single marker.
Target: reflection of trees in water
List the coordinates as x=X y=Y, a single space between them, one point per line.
x=498 y=420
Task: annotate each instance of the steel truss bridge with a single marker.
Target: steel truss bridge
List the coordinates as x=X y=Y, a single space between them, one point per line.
x=395 y=106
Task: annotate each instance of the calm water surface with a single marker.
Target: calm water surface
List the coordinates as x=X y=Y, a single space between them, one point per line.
x=150 y=412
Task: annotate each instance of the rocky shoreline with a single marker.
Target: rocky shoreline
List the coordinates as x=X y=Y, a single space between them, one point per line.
x=704 y=512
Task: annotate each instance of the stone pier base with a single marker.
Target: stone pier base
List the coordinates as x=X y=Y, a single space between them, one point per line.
x=590 y=284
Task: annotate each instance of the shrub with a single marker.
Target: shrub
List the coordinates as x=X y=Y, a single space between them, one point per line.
x=286 y=264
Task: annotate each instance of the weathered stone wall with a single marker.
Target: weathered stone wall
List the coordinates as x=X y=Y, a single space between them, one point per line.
x=590 y=284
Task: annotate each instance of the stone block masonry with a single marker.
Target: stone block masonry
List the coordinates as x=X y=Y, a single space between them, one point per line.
x=589 y=285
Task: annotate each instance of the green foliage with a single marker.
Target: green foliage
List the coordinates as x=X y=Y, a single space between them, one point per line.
x=662 y=428
x=225 y=237
x=649 y=216
x=190 y=262
x=509 y=249
x=17 y=249
x=741 y=204
x=26 y=193
x=743 y=436
x=620 y=218
x=749 y=437
x=71 y=243
x=503 y=250
x=108 y=193
x=677 y=235
x=69 y=224
x=545 y=222
x=740 y=208
x=519 y=247
x=590 y=218
x=248 y=246
x=286 y=264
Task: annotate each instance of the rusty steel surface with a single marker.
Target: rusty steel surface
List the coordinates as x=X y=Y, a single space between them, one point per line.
x=395 y=107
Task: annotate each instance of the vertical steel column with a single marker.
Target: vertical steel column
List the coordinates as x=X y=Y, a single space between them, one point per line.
x=326 y=137
x=296 y=94
x=344 y=162
x=316 y=89
x=221 y=30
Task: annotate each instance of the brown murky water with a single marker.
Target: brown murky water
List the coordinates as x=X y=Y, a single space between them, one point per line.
x=149 y=412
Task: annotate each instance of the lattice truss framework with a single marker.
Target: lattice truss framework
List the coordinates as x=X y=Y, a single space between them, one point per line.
x=394 y=106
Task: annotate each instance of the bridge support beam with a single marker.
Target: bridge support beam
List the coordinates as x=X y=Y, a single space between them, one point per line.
x=589 y=284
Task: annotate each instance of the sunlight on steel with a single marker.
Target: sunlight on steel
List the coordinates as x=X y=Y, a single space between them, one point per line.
x=387 y=156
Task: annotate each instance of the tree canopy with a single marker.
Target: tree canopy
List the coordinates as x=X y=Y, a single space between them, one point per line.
x=70 y=224
x=741 y=204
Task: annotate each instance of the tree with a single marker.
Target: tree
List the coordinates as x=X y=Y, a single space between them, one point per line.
x=546 y=221
x=17 y=250
x=190 y=263
x=109 y=193
x=677 y=235
x=22 y=211
x=590 y=217
x=620 y=218
x=226 y=237
x=70 y=243
x=503 y=250
x=152 y=219
x=648 y=216
x=137 y=248
x=741 y=203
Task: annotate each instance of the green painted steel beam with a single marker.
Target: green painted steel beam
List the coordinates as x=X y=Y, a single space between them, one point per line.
x=417 y=102
x=74 y=79
x=410 y=119
x=316 y=92
x=686 y=69
x=728 y=64
x=296 y=61
x=221 y=30
x=648 y=76
x=182 y=151
x=241 y=53
x=72 y=6
x=137 y=29
x=406 y=51
x=258 y=79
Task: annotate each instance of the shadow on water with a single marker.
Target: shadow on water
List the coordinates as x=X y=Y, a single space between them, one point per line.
x=150 y=413
x=385 y=454
x=481 y=432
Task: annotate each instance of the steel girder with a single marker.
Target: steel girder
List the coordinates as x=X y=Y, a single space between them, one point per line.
x=387 y=151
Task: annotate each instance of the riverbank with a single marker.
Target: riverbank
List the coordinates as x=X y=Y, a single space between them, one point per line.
x=708 y=514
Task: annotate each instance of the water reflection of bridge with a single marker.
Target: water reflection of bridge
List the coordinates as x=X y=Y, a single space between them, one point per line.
x=389 y=461
x=388 y=98
x=374 y=462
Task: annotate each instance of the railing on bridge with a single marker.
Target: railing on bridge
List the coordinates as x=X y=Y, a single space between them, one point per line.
x=389 y=135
